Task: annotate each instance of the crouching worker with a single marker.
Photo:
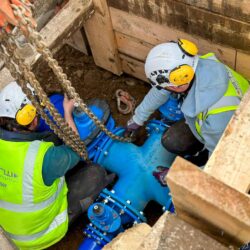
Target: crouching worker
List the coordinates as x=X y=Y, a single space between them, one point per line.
x=36 y=203
x=211 y=93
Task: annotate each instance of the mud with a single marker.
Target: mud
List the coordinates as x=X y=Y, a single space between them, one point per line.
x=91 y=81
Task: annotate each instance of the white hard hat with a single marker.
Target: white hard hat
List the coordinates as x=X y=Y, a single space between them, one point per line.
x=164 y=58
x=12 y=99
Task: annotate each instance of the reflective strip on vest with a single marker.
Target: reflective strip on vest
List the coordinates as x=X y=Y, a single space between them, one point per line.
x=28 y=204
x=58 y=220
x=235 y=83
x=225 y=101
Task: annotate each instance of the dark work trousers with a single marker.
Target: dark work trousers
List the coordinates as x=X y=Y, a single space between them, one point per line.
x=85 y=182
x=179 y=139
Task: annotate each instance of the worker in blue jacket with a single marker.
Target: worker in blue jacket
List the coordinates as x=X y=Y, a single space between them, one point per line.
x=43 y=186
x=211 y=93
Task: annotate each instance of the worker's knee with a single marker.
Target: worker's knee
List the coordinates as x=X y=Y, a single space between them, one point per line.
x=171 y=143
x=179 y=139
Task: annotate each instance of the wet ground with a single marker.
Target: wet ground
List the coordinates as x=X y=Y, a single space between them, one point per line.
x=91 y=81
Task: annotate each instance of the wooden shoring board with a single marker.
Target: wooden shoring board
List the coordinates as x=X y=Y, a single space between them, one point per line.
x=100 y=34
x=136 y=35
x=233 y=9
x=5 y=243
x=132 y=47
x=230 y=160
x=194 y=20
x=242 y=63
x=209 y=204
x=133 y=67
x=66 y=22
x=172 y=233
x=59 y=29
x=153 y=33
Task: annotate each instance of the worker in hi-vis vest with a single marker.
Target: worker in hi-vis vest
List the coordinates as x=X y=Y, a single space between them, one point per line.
x=36 y=201
x=211 y=93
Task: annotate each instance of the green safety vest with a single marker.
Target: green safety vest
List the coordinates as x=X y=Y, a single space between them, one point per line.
x=32 y=214
x=237 y=87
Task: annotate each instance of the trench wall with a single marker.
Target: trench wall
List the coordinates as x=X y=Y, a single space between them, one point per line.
x=218 y=26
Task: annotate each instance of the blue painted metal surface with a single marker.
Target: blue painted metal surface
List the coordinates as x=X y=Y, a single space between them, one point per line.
x=171 y=110
x=136 y=185
x=104 y=217
x=123 y=206
x=90 y=244
x=57 y=101
x=134 y=166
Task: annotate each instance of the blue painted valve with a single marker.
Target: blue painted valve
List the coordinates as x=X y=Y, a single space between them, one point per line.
x=171 y=110
x=104 y=217
x=123 y=206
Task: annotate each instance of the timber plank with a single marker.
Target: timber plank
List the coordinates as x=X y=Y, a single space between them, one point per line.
x=191 y=19
x=5 y=243
x=100 y=34
x=66 y=22
x=78 y=42
x=133 y=67
x=171 y=233
x=132 y=46
x=208 y=203
x=239 y=10
x=242 y=63
x=141 y=29
x=59 y=29
x=230 y=160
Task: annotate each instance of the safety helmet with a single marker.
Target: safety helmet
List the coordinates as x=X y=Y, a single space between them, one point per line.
x=15 y=104
x=171 y=64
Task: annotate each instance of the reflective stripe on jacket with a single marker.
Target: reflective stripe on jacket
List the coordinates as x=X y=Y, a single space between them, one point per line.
x=237 y=87
x=32 y=214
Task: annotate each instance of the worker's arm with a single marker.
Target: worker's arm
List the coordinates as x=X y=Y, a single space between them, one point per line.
x=57 y=162
x=68 y=106
x=151 y=102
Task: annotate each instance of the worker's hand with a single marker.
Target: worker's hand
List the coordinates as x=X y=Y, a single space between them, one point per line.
x=131 y=128
x=160 y=175
x=7 y=17
x=68 y=105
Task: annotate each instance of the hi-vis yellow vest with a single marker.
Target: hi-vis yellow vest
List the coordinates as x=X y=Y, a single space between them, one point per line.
x=32 y=214
x=237 y=87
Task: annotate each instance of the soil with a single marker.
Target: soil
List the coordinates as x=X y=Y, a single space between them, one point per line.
x=90 y=82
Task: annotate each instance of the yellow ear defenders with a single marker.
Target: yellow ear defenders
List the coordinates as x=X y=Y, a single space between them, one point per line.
x=183 y=74
x=187 y=47
x=26 y=114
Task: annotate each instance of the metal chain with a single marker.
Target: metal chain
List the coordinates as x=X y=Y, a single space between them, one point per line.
x=36 y=40
x=61 y=128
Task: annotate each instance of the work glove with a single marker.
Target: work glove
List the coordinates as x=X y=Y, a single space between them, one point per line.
x=131 y=128
x=7 y=17
x=160 y=175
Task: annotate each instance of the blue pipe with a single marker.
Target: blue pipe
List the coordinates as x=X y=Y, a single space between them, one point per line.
x=123 y=206
x=135 y=187
x=134 y=166
x=171 y=110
